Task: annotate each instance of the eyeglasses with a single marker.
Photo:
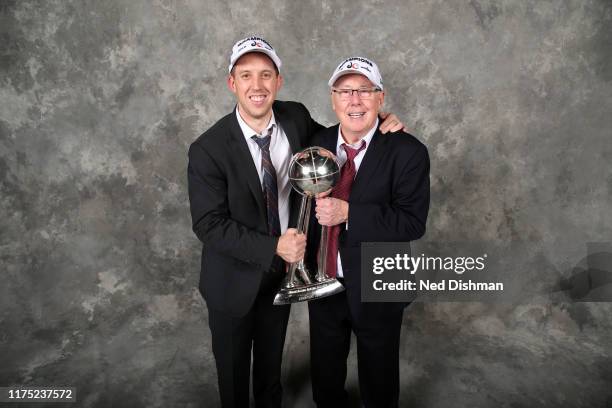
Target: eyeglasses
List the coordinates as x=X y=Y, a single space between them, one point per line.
x=362 y=93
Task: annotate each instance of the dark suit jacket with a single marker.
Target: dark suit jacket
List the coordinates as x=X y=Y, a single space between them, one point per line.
x=228 y=210
x=389 y=201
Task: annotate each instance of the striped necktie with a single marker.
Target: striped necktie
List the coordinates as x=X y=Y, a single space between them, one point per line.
x=270 y=188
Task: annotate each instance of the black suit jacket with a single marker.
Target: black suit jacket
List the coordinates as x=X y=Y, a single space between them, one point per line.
x=389 y=201
x=228 y=210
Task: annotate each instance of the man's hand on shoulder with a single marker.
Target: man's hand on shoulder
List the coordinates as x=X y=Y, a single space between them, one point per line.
x=291 y=246
x=391 y=123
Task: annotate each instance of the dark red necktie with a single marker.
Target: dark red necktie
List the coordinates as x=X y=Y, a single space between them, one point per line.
x=342 y=191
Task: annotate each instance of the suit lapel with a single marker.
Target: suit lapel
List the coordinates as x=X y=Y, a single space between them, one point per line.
x=240 y=149
x=330 y=141
x=286 y=122
x=289 y=128
x=374 y=155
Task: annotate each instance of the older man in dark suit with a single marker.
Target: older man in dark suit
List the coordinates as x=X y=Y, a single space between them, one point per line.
x=241 y=208
x=382 y=196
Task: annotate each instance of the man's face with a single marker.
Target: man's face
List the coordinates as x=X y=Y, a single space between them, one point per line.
x=255 y=83
x=356 y=115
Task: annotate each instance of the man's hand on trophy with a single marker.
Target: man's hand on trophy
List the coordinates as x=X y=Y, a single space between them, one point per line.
x=291 y=246
x=324 y=194
x=331 y=211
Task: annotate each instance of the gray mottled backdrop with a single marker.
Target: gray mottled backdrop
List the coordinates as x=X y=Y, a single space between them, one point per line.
x=99 y=101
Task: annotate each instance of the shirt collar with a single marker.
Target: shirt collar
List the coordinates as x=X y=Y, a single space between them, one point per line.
x=248 y=132
x=367 y=138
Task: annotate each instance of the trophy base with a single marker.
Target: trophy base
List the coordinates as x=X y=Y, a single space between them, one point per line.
x=301 y=293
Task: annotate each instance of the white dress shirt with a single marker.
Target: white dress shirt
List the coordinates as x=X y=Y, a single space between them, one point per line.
x=341 y=156
x=280 y=154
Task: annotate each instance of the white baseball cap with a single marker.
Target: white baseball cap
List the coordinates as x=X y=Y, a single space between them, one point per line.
x=358 y=65
x=253 y=44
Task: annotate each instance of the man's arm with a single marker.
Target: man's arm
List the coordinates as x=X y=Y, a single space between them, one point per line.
x=213 y=225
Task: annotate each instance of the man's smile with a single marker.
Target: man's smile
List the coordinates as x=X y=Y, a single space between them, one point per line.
x=356 y=114
x=258 y=99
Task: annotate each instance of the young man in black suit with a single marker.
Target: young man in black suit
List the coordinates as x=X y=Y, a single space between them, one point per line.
x=382 y=196
x=241 y=207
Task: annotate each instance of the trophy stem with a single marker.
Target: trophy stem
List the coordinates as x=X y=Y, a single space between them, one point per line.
x=298 y=269
x=304 y=214
x=303 y=224
x=322 y=258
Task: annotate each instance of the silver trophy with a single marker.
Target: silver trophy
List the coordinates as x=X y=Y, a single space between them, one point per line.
x=312 y=171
